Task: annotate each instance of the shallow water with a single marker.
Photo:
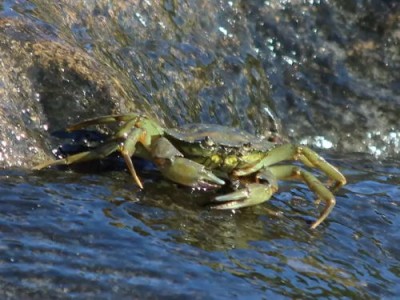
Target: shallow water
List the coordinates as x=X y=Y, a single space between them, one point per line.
x=87 y=235
x=325 y=73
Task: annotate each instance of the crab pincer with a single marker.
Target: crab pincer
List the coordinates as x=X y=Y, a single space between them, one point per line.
x=179 y=169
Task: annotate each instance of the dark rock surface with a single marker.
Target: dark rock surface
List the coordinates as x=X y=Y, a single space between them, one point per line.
x=326 y=74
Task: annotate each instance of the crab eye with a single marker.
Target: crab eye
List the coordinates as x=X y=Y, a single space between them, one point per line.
x=208 y=141
x=246 y=146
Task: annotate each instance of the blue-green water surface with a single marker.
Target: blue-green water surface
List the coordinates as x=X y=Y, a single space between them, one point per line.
x=67 y=234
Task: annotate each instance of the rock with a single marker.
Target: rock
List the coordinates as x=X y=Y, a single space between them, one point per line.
x=325 y=71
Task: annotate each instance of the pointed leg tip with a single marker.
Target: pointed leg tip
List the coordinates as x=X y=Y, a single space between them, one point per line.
x=316 y=224
x=140 y=185
x=138 y=182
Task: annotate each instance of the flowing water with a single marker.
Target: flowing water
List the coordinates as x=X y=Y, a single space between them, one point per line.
x=324 y=71
x=67 y=234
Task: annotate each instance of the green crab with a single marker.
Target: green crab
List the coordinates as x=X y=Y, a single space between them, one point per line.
x=206 y=156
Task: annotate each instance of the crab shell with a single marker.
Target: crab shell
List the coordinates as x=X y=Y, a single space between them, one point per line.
x=219 y=147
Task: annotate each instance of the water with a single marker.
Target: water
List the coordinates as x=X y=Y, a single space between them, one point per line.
x=323 y=73
x=84 y=235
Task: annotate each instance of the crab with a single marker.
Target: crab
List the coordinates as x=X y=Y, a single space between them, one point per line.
x=207 y=156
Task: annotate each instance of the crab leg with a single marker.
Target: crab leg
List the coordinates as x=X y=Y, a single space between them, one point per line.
x=257 y=193
x=136 y=129
x=104 y=120
x=286 y=172
x=128 y=131
x=293 y=152
x=309 y=156
x=98 y=153
x=127 y=149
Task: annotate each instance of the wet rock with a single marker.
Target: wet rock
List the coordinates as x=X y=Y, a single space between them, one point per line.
x=333 y=69
x=45 y=84
x=83 y=64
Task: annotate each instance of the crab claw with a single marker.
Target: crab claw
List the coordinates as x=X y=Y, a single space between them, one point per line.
x=252 y=194
x=187 y=172
x=175 y=167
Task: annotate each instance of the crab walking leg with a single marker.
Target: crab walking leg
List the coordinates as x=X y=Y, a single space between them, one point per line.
x=135 y=129
x=293 y=152
x=129 y=132
x=129 y=135
x=98 y=153
x=104 y=120
x=285 y=172
x=308 y=155
x=127 y=149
